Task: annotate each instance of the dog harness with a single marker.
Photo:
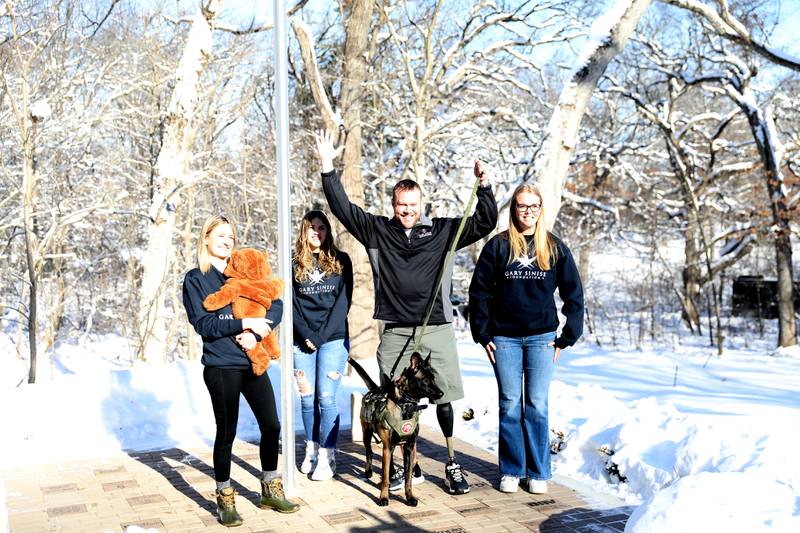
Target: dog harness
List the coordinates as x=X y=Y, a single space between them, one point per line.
x=376 y=407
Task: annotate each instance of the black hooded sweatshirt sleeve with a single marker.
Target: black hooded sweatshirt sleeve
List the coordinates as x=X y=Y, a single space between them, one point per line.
x=516 y=299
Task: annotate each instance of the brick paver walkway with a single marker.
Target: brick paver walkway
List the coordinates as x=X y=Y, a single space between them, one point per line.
x=172 y=490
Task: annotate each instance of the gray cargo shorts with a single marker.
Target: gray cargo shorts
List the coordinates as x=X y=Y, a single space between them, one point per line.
x=439 y=341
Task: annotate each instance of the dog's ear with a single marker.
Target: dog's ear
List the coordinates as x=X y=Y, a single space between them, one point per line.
x=416 y=360
x=428 y=359
x=421 y=406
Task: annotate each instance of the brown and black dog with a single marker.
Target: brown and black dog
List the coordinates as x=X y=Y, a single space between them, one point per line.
x=391 y=412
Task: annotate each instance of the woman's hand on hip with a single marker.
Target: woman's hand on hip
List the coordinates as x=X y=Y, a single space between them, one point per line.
x=311 y=345
x=490 y=349
x=556 y=353
x=246 y=340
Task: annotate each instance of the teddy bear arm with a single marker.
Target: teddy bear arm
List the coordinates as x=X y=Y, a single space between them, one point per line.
x=226 y=295
x=272 y=288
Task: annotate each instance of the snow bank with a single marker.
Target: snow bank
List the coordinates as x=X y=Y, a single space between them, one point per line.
x=724 y=501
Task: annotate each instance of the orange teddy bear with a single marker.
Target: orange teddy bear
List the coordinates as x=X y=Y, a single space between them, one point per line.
x=251 y=288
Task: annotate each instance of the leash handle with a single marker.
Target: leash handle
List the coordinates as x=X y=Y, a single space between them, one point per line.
x=448 y=260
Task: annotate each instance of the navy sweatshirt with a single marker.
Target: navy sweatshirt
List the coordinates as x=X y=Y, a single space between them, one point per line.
x=321 y=304
x=218 y=328
x=516 y=300
x=405 y=268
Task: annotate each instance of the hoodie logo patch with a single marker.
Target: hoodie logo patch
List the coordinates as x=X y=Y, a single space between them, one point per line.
x=424 y=232
x=525 y=268
x=316 y=276
x=316 y=283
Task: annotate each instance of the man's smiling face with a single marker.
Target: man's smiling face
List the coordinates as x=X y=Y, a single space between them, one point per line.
x=407 y=206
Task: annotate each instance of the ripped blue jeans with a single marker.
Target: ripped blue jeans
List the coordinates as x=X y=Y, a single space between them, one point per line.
x=317 y=375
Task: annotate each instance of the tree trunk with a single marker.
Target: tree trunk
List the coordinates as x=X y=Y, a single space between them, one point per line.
x=363 y=329
x=691 y=273
x=172 y=171
x=552 y=162
x=765 y=136
x=31 y=242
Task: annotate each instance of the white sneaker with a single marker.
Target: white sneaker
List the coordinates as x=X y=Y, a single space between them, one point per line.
x=509 y=484
x=326 y=464
x=310 y=460
x=537 y=486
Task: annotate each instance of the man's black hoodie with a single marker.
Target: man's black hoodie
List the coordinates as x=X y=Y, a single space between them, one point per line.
x=405 y=268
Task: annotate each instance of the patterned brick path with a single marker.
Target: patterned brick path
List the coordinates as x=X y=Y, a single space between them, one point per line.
x=172 y=490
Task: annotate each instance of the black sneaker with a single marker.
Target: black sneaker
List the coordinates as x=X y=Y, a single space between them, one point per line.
x=397 y=481
x=454 y=478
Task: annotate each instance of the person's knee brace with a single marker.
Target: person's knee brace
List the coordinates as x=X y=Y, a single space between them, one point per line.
x=444 y=414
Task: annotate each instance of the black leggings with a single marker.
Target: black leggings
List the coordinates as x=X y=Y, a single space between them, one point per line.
x=224 y=386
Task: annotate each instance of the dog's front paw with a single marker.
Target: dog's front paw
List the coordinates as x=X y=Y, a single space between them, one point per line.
x=412 y=502
x=383 y=502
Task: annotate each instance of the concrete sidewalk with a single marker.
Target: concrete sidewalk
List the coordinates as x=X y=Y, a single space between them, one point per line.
x=172 y=490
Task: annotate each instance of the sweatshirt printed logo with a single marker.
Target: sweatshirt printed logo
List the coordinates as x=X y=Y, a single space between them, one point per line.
x=424 y=232
x=525 y=268
x=225 y=317
x=316 y=276
x=315 y=284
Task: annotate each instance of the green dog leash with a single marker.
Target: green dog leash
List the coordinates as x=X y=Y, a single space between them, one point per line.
x=448 y=260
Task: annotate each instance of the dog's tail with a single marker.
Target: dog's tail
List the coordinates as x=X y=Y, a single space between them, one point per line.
x=363 y=373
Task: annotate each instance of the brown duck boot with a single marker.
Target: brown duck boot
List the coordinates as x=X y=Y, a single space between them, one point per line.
x=272 y=497
x=226 y=508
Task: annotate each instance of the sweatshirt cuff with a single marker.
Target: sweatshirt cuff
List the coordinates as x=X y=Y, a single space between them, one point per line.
x=562 y=343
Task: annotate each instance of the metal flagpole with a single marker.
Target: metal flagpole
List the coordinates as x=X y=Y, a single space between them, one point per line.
x=281 y=76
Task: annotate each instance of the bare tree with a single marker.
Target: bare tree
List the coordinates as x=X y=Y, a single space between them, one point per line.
x=736 y=84
x=172 y=174
x=561 y=136
x=31 y=86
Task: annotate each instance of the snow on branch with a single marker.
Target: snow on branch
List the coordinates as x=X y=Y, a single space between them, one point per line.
x=333 y=121
x=608 y=38
x=585 y=200
x=726 y=25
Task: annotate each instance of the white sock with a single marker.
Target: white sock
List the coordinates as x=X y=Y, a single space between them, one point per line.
x=269 y=475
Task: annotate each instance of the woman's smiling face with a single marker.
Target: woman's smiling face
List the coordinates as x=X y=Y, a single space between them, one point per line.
x=220 y=241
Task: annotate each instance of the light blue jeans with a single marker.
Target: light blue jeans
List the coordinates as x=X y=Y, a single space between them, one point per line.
x=318 y=375
x=524 y=365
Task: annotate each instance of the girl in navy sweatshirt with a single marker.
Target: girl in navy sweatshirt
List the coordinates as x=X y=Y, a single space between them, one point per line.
x=323 y=287
x=512 y=314
x=227 y=372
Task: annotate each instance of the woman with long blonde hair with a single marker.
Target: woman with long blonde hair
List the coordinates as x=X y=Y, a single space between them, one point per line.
x=322 y=283
x=227 y=371
x=513 y=315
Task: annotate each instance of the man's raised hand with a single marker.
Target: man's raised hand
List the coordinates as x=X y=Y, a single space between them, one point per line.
x=325 y=149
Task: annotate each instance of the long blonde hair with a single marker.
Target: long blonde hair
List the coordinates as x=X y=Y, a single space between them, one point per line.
x=544 y=245
x=203 y=259
x=303 y=256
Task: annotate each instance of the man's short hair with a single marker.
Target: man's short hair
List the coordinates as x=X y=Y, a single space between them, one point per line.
x=403 y=186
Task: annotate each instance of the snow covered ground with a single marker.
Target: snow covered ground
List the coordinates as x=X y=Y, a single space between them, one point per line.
x=697 y=439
